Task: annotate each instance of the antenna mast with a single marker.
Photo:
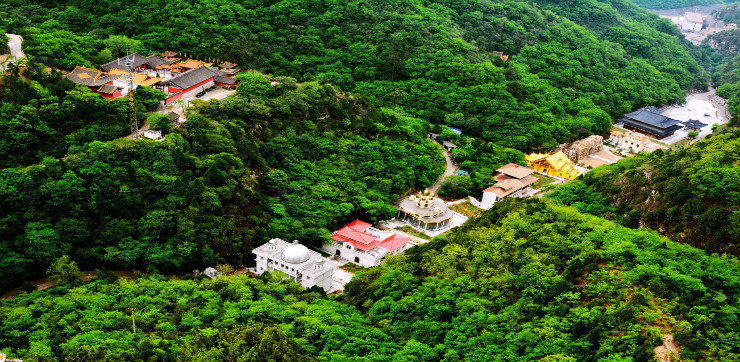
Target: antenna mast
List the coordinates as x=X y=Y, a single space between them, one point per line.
x=128 y=62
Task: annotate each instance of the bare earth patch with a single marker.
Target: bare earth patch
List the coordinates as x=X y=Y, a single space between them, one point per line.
x=668 y=352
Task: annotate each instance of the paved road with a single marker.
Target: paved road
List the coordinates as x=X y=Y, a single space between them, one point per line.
x=449 y=170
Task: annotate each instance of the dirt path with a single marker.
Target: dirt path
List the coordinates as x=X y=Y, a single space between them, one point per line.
x=449 y=170
x=85 y=276
x=16 y=53
x=668 y=351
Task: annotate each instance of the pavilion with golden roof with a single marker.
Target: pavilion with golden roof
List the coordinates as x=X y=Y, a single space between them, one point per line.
x=556 y=164
x=424 y=211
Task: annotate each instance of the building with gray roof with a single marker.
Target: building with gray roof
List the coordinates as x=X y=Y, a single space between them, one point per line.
x=650 y=123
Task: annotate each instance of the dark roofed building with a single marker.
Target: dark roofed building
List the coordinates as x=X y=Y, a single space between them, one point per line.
x=173 y=116
x=109 y=91
x=138 y=62
x=155 y=61
x=694 y=124
x=192 y=78
x=650 y=123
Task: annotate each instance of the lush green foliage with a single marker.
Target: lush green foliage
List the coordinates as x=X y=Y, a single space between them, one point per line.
x=529 y=281
x=691 y=194
x=196 y=198
x=47 y=115
x=428 y=59
x=728 y=14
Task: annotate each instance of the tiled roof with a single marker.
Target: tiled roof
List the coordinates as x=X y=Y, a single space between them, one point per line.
x=693 y=123
x=138 y=61
x=693 y=17
x=108 y=89
x=515 y=171
x=394 y=242
x=90 y=77
x=191 y=77
x=651 y=122
x=190 y=64
x=173 y=116
x=225 y=80
x=154 y=61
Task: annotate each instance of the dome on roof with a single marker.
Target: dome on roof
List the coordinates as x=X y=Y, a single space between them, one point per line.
x=296 y=253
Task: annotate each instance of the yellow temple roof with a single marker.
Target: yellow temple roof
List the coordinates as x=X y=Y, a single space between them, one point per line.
x=557 y=161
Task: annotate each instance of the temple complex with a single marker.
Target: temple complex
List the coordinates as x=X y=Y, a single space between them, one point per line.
x=365 y=245
x=306 y=267
x=423 y=211
x=557 y=164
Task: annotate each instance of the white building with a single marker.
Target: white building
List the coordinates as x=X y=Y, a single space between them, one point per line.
x=692 y=22
x=633 y=142
x=305 y=267
x=365 y=245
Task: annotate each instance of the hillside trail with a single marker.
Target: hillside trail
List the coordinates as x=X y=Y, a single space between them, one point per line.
x=14 y=43
x=85 y=276
x=450 y=169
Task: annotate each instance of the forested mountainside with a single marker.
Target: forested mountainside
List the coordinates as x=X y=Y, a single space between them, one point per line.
x=406 y=53
x=302 y=159
x=690 y=194
x=239 y=171
x=528 y=281
x=729 y=13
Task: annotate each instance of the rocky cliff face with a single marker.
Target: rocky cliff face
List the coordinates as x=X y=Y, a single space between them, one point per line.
x=580 y=149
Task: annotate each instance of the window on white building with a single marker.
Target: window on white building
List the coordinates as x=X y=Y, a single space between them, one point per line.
x=349 y=246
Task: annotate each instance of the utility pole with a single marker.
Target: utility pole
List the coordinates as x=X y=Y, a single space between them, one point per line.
x=128 y=62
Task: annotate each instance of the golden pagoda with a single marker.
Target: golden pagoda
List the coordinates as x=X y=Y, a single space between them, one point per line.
x=557 y=164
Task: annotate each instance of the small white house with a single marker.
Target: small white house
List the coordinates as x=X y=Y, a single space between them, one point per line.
x=153 y=134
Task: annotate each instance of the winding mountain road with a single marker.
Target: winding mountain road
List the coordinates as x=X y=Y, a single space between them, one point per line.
x=449 y=170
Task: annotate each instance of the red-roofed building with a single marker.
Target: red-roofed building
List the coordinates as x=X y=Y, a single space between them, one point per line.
x=365 y=245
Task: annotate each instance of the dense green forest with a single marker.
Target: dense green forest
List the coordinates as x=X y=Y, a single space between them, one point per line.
x=289 y=161
x=690 y=194
x=429 y=59
x=45 y=115
x=528 y=281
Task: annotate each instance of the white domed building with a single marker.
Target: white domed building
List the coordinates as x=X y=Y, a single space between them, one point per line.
x=306 y=267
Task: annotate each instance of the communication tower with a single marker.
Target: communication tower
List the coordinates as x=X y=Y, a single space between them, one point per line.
x=128 y=63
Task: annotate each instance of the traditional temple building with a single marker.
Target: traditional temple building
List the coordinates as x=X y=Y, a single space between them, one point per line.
x=140 y=63
x=694 y=125
x=510 y=179
x=425 y=212
x=651 y=123
x=306 y=267
x=92 y=78
x=365 y=245
x=557 y=164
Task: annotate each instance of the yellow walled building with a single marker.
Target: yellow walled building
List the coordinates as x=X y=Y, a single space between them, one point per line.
x=557 y=164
